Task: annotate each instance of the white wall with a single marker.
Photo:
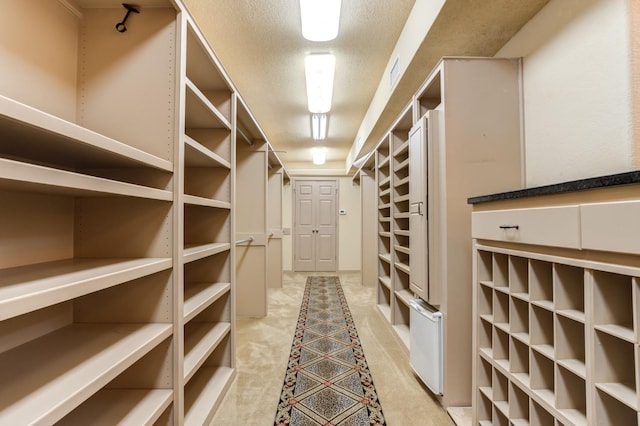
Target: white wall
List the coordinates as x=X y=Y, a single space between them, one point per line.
x=577 y=90
x=348 y=226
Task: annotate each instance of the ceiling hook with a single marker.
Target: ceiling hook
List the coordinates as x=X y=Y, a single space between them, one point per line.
x=130 y=8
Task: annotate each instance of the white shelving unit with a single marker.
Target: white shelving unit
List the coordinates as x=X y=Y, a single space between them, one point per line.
x=117 y=255
x=555 y=328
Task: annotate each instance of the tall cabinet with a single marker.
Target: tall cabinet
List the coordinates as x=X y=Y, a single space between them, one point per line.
x=117 y=153
x=461 y=132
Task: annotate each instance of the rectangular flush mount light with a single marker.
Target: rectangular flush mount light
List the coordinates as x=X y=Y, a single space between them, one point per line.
x=320 y=19
x=319 y=71
x=319 y=126
x=319 y=155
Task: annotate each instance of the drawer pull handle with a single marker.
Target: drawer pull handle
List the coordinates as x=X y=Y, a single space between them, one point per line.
x=509 y=227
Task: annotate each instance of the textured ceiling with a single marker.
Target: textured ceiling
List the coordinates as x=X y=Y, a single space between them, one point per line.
x=260 y=45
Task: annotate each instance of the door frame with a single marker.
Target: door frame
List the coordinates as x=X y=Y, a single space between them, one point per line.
x=293 y=216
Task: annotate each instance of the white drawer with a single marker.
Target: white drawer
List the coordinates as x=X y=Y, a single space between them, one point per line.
x=547 y=226
x=613 y=226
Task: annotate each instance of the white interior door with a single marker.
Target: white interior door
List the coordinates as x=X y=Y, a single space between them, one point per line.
x=315 y=225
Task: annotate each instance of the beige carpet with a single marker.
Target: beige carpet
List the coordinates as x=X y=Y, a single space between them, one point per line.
x=263 y=347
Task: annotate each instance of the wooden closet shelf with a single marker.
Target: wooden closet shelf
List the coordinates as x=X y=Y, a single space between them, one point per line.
x=206 y=202
x=121 y=406
x=385 y=281
x=197 y=155
x=384 y=193
x=402 y=165
x=45 y=379
x=207 y=386
x=28 y=288
x=193 y=252
x=198 y=297
x=399 y=183
x=402 y=249
x=403 y=267
x=384 y=182
x=401 y=198
x=19 y=176
x=404 y=215
x=384 y=162
x=405 y=296
x=200 y=113
x=385 y=257
x=402 y=149
x=45 y=138
x=401 y=232
x=200 y=341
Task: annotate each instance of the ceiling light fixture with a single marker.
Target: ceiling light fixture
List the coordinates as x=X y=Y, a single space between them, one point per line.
x=320 y=19
x=319 y=155
x=319 y=126
x=319 y=70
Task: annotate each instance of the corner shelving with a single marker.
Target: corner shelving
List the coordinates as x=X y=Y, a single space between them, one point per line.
x=383 y=178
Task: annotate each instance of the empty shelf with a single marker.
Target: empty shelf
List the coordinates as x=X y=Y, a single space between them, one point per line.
x=405 y=296
x=402 y=232
x=384 y=162
x=193 y=252
x=197 y=155
x=623 y=392
x=402 y=249
x=201 y=339
x=202 y=395
x=385 y=234
x=384 y=181
x=403 y=267
x=121 y=406
x=619 y=331
x=200 y=296
x=16 y=175
x=401 y=165
x=401 y=149
x=44 y=137
x=401 y=182
x=200 y=112
x=45 y=379
x=401 y=198
x=386 y=281
x=386 y=257
x=401 y=215
x=27 y=288
x=206 y=202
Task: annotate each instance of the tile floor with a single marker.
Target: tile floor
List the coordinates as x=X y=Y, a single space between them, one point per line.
x=262 y=351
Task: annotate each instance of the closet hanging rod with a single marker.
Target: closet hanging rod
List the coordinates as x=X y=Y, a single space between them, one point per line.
x=243 y=136
x=246 y=240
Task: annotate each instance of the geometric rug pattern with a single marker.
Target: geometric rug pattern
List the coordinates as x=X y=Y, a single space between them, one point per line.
x=328 y=382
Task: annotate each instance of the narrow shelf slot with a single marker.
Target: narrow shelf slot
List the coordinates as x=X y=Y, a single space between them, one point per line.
x=501 y=271
x=385 y=281
x=484 y=407
x=519 y=276
x=401 y=165
x=402 y=249
x=541 y=332
x=570 y=349
x=197 y=155
x=206 y=202
x=610 y=411
x=501 y=309
x=616 y=373
x=518 y=406
x=403 y=267
x=203 y=393
x=201 y=339
x=200 y=112
x=485 y=338
x=28 y=288
x=540 y=416
x=541 y=282
x=402 y=149
x=30 y=393
x=385 y=257
x=500 y=345
x=569 y=289
x=542 y=377
x=199 y=296
x=404 y=296
x=571 y=396
x=519 y=360
x=614 y=312
x=401 y=182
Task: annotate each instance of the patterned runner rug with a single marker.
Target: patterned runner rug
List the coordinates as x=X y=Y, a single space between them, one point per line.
x=327 y=381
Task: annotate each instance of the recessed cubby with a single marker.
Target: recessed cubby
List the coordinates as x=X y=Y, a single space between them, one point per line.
x=519 y=276
x=542 y=380
x=501 y=309
x=484 y=373
x=610 y=411
x=570 y=345
x=519 y=360
x=571 y=395
x=499 y=416
x=484 y=409
x=500 y=344
x=519 y=321
x=540 y=416
x=614 y=311
x=484 y=266
x=384 y=245
x=518 y=405
x=541 y=282
x=569 y=290
x=485 y=302
x=500 y=387
x=500 y=270
x=485 y=336
x=615 y=373
x=542 y=330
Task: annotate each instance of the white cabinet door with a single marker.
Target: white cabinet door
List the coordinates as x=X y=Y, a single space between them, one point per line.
x=418 y=281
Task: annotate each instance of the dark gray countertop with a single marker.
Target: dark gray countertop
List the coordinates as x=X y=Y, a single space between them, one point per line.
x=558 y=188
